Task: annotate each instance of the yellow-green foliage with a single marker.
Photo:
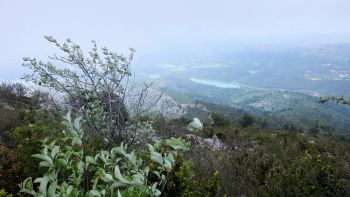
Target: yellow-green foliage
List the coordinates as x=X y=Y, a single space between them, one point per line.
x=3 y=193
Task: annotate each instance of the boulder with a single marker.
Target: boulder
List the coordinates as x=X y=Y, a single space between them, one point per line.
x=195 y=125
x=213 y=143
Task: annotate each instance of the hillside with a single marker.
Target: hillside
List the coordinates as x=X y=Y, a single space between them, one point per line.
x=285 y=106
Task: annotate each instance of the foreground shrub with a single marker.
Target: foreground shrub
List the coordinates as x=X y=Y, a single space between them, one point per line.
x=118 y=172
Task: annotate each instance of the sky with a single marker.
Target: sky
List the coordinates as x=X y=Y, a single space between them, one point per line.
x=156 y=25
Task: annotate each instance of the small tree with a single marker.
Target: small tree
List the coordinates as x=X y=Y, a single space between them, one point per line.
x=220 y=120
x=316 y=128
x=247 y=120
x=95 y=85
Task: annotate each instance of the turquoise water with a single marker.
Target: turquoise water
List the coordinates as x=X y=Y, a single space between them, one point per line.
x=219 y=84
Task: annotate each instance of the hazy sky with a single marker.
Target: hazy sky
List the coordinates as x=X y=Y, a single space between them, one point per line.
x=148 y=24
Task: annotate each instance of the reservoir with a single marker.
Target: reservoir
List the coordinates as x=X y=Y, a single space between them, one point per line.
x=219 y=84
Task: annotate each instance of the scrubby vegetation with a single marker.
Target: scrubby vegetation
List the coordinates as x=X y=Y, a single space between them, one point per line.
x=114 y=147
x=264 y=162
x=70 y=171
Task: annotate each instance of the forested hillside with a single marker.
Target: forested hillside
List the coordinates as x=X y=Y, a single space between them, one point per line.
x=285 y=107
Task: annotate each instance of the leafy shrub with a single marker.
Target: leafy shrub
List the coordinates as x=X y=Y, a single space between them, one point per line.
x=16 y=162
x=69 y=171
x=181 y=180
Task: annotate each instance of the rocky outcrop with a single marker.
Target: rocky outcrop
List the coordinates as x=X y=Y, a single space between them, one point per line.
x=213 y=143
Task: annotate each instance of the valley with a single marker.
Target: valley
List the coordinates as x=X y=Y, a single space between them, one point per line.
x=282 y=85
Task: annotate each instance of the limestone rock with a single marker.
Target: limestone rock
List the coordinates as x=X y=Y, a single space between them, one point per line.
x=195 y=125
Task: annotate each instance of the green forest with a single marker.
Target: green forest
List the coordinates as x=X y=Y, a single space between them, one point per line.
x=97 y=136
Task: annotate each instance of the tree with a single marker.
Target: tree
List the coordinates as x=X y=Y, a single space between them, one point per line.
x=96 y=86
x=247 y=120
x=14 y=95
x=316 y=128
x=219 y=120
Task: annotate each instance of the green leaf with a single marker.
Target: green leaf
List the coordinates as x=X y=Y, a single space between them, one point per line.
x=117 y=173
x=28 y=183
x=154 y=189
x=132 y=158
x=68 y=117
x=170 y=157
x=27 y=186
x=77 y=123
x=70 y=191
x=137 y=179
x=94 y=193
x=90 y=160
x=105 y=176
x=119 y=150
x=157 y=192
x=43 y=184
x=150 y=147
x=44 y=164
x=167 y=165
x=54 y=151
x=43 y=157
x=177 y=144
x=146 y=170
x=62 y=162
x=52 y=189
x=157 y=157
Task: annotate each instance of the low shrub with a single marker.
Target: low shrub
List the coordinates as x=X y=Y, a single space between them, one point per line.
x=119 y=171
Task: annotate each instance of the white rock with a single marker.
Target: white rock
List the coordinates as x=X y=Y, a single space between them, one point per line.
x=195 y=125
x=213 y=143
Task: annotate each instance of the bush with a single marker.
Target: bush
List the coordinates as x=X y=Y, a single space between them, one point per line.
x=309 y=175
x=260 y=163
x=247 y=120
x=108 y=173
x=219 y=120
x=16 y=162
x=221 y=135
x=182 y=181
